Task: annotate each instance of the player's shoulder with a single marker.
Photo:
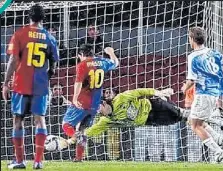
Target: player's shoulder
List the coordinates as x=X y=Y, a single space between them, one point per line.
x=215 y=53
x=22 y=30
x=49 y=36
x=82 y=64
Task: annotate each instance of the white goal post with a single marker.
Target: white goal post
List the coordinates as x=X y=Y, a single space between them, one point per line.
x=151 y=40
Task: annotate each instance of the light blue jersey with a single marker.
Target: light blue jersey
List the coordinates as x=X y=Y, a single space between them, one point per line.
x=205 y=68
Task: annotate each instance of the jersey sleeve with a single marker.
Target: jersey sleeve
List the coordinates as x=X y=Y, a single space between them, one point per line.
x=191 y=65
x=14 y=45
x=108 y=65
x=81 y=72
x=138 y=93
x=54 y=49
x=101 y=126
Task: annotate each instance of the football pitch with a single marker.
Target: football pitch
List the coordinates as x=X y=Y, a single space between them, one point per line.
x=123 y=166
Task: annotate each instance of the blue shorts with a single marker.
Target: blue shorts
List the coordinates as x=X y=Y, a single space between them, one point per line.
x=26 y=104
x=74 y=115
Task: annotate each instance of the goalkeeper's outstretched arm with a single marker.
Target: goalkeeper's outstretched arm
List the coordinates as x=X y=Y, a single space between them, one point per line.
x=101 y=126
x=147 y=92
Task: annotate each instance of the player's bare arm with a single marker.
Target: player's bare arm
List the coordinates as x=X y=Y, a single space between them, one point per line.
x=11 y=67
x=187 y=86
x=110 y=51
x=77 y=90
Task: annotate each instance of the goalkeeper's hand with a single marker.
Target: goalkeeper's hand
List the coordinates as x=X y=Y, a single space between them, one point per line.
x=64 y=143
x=164 y=93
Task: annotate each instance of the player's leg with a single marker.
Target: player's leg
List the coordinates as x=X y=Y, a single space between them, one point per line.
x=200 y=111
x=163 y=113
x=218 y=138
x=71 y=120
x=81 y=137
x=20 y=105
x=38 y=109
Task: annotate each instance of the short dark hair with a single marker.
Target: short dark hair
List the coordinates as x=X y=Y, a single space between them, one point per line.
x=36 y=13
x=86 y=49
x=198 y=35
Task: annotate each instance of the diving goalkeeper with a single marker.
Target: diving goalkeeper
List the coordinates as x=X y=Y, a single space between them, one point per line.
x=131 y=108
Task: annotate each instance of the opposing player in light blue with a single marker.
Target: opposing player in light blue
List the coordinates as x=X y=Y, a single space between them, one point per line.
x=205 y=71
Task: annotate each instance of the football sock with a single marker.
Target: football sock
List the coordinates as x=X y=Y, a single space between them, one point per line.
x=210 y=143
x=216 y=136
x=68 y=129
x=18 y=141
x=39 y=142
x=79 y=151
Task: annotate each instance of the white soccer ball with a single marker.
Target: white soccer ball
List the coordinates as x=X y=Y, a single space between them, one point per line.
x=52 y=143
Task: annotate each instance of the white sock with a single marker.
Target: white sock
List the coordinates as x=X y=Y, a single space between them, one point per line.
x=70 y=141
x=210 y=143
x=215 y=135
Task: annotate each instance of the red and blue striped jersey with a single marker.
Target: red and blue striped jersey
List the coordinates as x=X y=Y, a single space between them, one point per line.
x=91 y=74
x=33 y=47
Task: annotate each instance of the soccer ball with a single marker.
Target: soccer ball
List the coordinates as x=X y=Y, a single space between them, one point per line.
x=52 y=143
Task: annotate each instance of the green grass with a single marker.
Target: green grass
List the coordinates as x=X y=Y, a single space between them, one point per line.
x=123 y=166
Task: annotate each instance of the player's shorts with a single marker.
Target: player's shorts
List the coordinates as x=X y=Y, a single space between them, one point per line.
x=163 y=113
x=203 y=106
x=26 y=104
x=75 y=115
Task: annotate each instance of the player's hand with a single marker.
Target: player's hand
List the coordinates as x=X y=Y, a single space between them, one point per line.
x=167 y=92
x=183 y=88
x=77 y=104
x=5 y=92
x=109 y=50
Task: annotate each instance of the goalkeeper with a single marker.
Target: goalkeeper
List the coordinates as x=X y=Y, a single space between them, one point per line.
x=131 y=108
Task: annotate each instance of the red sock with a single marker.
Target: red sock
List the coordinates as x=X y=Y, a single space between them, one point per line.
x=79 y=152
x=19 y=148
x=68 y=129
x=40 y=140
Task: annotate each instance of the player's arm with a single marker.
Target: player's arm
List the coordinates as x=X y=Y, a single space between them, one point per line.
x=110 y=51
x=54 y=57
x=13 y=51
x=191 y=77
x=101 y=126
x=147 y=92
x=80 y=76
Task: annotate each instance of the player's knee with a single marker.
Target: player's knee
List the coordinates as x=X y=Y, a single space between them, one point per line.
x=18 y=122
x=40 y=121
x=68 y=129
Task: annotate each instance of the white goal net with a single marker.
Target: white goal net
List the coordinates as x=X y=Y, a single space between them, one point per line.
x=151 y=40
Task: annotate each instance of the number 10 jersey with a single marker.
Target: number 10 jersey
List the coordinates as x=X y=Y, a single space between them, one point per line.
x=90 y=73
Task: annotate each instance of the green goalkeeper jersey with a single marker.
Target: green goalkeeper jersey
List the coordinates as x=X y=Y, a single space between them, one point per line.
x=129 y=108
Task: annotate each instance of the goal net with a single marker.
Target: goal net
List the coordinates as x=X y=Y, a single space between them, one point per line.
x=151 y=41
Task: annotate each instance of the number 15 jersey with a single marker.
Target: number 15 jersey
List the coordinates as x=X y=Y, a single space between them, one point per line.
x=33 y=47
x=90 y=73
x=204 y=67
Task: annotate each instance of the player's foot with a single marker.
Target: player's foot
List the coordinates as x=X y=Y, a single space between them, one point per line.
x=77 y=160
x=37 y=165
x=219 y=157
x=16 y=165
x=12 y=162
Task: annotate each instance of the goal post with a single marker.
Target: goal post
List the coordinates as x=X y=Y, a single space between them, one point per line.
x=151 y=40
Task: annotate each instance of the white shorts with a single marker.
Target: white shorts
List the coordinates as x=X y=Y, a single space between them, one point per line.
x=203 y=106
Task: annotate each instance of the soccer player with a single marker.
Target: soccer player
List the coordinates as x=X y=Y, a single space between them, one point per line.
x=131 y=109
x=204 y=70
x=87 y=93
x=33 y=56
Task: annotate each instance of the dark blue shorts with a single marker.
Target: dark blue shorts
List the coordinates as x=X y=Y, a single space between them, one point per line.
x=26 y=104
x=74 y=115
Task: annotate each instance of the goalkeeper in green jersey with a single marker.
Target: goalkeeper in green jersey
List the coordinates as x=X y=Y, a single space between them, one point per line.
x=131 y=108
